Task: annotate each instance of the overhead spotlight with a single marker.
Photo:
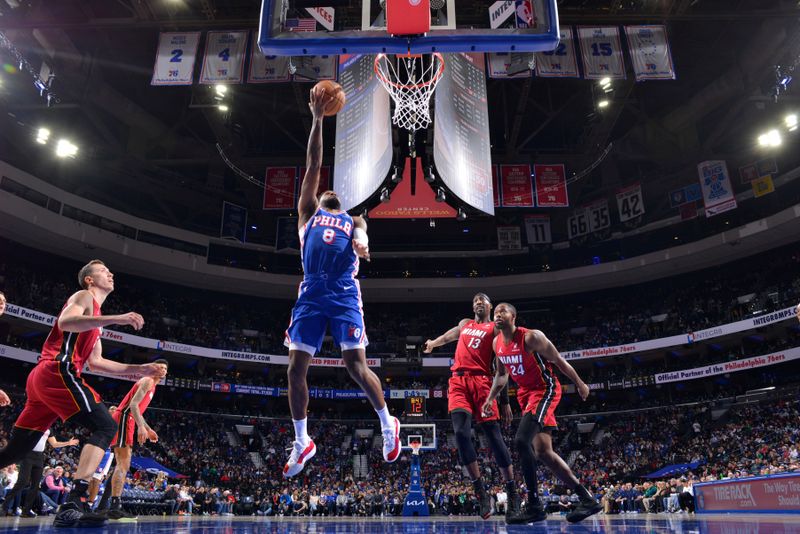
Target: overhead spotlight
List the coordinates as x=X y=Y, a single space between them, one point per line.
x=223 y=107
x=221 y=90
x=42 y=136
x=396 y=176
x=440 y=196
x=605 y=82
x=385 y=196
x=770 y=139
x=65 y=149
x=461 y=215
x=429 y=176
x=791 y=122
x=603 y=104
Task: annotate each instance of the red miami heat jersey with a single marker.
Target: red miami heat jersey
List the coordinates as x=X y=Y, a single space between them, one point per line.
x=143 y=404
x=71 y=345
x=530 y=371
x=474 y=349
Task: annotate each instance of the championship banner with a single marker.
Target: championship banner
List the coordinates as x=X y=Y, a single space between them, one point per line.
x=578 y=223
x=650 y=53
x=508 y=238
x=279 y=188
x=515 y=183
x=324 y=179
x=551 y=186
x=234 y=222
x=496 y=185
x=763 y=186
x=630 y=203
x=499 y=63
x=537 y=229
x=717 y=188
x=224 y=59
x=601 y=52
x=730 y=367
x=266 y=69
x=599 y=217
x=313 y=68
x=765 y=494
x=175 y=58
x=561 y=62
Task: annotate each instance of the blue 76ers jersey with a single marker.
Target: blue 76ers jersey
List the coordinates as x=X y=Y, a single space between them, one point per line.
x=326 y=245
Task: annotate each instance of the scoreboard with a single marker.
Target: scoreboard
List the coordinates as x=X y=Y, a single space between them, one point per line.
x=415 y=407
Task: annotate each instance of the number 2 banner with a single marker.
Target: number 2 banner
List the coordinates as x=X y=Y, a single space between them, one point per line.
x=175 y=58
x=561 y=62
x=224 y=59
x=602 y=52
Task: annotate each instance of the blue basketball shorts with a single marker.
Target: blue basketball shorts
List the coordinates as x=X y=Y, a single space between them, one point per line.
x=321 y=303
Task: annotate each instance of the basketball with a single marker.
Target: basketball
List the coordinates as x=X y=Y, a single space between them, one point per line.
x=335 y=90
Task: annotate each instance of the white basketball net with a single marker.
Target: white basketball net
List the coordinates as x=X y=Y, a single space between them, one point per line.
x=410 y=81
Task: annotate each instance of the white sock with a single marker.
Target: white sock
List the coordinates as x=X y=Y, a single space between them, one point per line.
x=385 y=417
x=301 y=431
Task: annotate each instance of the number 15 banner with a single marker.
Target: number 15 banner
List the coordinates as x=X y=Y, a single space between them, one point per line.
x=175 y=58
x=224 y=59
x=602 y=52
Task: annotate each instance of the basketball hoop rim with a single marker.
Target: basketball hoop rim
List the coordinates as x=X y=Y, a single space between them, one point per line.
x=396 y=85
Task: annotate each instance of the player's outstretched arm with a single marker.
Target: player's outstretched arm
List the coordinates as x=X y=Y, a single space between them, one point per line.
x=536 y=341
x=448 y=337
x=307 y=201
x=360 y=237
x=53 y=442
x=74 y=319
x=96 y=362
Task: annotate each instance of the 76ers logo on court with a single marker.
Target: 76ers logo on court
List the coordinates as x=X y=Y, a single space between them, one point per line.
x=354 y=331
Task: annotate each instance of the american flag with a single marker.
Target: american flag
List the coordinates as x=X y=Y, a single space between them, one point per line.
x=301 y=25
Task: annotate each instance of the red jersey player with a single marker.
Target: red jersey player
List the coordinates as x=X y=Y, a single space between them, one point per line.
x=530 y=357
x=468 y=388
x=56 y=390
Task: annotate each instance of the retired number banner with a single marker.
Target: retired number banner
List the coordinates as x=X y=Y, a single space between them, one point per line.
x=175 y=58
x=599 y=218
x=649 y=48
x=279 y=188
x=498 y=64
x=561 y=62
x=630 y=203
x=717 y=189
x=601 y=52
x=224 y=59
x=578 y=223
x=516 y=186
x=537 y=228
x=266 y=69
x=551 y=186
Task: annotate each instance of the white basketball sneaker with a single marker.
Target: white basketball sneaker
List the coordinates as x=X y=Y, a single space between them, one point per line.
x=391 y=441
x=300 y=455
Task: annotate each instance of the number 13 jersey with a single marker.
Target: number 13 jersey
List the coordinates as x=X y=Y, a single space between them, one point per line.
x=474 y=349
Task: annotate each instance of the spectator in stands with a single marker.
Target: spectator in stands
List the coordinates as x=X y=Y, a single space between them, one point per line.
x=686 y=497
x=55 y=487
x=564 y=504
x=171 y=498
x=286 y=503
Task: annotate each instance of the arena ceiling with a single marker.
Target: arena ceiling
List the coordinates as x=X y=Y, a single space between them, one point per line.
x=152 y=151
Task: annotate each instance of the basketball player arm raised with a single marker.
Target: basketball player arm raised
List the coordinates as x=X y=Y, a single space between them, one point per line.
x=77 y=315
x=448 y=337
x=536 y=341
x=307 y=201
x=143 y=430
x=96 y=362
x=53 y=442
x=498 y=384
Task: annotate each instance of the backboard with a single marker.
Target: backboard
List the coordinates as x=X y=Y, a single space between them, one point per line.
x=423 y=433
x=313 y=27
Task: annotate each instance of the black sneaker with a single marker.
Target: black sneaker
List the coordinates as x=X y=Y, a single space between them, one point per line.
x=485 y=502
x=28 y=513
x=513 y=506
x=120 y=515
x=532 y=514
x=584 y=510
x=67 y=515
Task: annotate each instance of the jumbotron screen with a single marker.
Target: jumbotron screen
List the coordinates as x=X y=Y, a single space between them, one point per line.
x=461 y=148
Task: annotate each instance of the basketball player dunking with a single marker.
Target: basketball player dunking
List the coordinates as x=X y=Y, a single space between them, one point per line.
x=56 y=390
x=467 y=390
x=529 y=356
x=129 y=415
x=331 y=242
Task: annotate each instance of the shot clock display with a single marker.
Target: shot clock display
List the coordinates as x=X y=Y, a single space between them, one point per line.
x=415 y=407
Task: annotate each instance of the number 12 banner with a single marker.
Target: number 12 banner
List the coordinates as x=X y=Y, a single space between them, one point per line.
x=224 y=59
x=175 y=58
x=602 y=52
